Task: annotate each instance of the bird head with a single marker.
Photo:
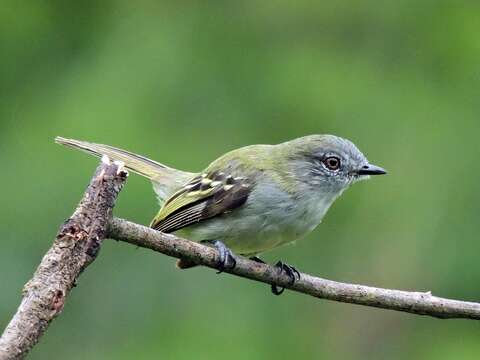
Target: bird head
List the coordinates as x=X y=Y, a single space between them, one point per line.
x=330 y=162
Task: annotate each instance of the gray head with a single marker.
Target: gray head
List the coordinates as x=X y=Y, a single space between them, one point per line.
x=330 y=161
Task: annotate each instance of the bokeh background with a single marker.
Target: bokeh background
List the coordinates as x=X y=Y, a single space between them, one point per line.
x=183 y=82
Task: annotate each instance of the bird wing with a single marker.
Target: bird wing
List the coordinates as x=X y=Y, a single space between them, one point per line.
x=203 y=197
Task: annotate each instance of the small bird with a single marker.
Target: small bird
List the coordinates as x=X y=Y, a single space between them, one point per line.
x=252 y=199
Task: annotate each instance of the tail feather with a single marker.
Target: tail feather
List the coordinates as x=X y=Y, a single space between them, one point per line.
x=165 y=179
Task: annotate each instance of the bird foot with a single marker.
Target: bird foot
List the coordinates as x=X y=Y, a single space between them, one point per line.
x=257 y=260
x=226 y=258
x=292 y=273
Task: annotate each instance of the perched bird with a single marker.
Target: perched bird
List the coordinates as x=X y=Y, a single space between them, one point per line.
x=251 y=199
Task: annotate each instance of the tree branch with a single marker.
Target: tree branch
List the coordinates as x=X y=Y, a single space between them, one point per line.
x=75 y=247
x=420 y=303
x=79 y=240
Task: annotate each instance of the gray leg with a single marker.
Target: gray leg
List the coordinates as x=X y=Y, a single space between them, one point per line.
x=292 y=273
x=226 y=260
x=257 y=259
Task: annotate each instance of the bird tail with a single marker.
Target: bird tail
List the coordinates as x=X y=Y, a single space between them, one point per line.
x=165 y=179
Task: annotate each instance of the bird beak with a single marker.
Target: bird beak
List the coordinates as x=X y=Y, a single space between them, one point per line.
x=370 y=169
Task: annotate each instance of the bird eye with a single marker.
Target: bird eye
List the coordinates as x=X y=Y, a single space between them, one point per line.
x=332 y=163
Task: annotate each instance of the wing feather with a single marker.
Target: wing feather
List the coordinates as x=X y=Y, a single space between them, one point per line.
x=204 y=197
x=181 y=219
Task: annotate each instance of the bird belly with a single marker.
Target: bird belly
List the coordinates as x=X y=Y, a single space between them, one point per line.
x=246 y=235
x=270 y=218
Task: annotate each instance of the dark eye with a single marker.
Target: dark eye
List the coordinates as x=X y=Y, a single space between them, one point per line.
x=332 y=163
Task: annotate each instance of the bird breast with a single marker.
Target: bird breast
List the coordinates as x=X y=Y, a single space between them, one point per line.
x=270 y=218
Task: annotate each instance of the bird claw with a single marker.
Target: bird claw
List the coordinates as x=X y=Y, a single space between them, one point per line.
x=226 y=258
x=291 y=272
x=257 y=260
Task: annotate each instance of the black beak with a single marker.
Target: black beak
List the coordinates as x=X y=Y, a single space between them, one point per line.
x=370 y=169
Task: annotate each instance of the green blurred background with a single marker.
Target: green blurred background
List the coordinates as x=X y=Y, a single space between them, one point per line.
x=183 y=82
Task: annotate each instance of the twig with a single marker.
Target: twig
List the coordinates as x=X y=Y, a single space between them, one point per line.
x=420 y=303
x=75 y=247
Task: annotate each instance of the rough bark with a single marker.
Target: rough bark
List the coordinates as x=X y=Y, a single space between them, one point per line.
x=75 y=247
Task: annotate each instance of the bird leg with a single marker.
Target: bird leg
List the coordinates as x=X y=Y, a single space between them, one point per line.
x=226 y=259
x=292 y=273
